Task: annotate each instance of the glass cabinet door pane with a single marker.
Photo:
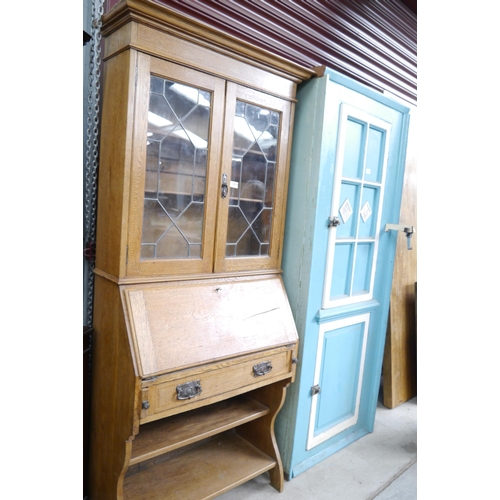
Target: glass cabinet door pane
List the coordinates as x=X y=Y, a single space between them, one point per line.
x=176 y=168
x=251 y=203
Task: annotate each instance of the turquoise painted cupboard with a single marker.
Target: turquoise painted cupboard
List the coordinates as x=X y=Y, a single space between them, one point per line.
x=346 y=180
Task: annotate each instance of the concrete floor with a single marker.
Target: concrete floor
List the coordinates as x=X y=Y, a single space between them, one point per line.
x=381 y=465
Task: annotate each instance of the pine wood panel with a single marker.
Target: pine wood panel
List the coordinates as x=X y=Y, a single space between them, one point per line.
x=400 y=357
x=201 y=473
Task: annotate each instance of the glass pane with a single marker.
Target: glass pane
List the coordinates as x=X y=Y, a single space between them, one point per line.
x=271 y=171
x=156 y=221
x=235 y=181
x=157 y=85
x=368 y=212
x=374 y=155
x=176 y=167
x=172 y=245
x=262 y=226
x=238 y=224
x=363 y=268
x=190 y=222
x=353 y=152
x=161 y=118
x=268 y=143
x=243 y=137
x=251 y=201
x=342 y=266
x=349 y=201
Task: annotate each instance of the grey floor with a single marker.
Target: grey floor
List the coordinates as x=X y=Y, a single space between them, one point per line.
x=381 y=465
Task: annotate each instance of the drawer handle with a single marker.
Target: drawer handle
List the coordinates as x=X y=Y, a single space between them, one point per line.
x=262 y=369
x=188 y=390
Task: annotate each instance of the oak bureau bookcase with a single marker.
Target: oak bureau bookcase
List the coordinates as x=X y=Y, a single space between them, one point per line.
x=195 y=342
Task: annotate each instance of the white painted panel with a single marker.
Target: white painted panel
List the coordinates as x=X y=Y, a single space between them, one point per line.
x=313 y=440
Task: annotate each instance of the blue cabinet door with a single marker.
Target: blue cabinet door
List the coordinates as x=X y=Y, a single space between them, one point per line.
x=346 y=182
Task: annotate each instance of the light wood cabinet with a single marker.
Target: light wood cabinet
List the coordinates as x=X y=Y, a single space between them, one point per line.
x=194 y=340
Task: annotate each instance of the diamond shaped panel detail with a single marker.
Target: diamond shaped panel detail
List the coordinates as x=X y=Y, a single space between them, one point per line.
x=345 y=211
x=366 y=211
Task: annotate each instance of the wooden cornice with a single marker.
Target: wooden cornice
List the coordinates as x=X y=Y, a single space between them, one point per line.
x=161 y=17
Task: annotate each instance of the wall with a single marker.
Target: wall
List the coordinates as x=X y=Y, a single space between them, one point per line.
x=374 y=42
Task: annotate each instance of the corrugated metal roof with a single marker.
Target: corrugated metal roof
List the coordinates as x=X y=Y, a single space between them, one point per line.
x=374 y=42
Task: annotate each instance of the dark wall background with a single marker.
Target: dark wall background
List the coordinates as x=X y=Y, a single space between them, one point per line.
x=372 y=41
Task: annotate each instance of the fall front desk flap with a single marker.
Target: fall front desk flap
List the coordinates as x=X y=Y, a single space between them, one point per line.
x=182 y=324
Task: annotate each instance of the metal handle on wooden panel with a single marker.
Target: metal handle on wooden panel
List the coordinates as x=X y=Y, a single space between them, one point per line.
x=408 y=230
x=224 y=186
x=262 y=369
x=188 y=390
x=333 y=221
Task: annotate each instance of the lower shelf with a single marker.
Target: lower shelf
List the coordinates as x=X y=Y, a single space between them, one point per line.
x=201 y=473
x=162 y=436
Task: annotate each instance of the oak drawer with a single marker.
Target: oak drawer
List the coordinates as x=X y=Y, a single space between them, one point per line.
x=207 y=384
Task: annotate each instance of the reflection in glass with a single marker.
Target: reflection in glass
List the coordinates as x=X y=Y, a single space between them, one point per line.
x=252 y=180
x=176 y=165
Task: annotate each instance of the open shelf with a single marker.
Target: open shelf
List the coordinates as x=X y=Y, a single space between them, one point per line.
x=204 y=472
x=162 y=436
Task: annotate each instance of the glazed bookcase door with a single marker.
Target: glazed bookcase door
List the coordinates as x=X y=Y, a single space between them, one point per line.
x=251 y=215
x=358 y=194
x=175 y=161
